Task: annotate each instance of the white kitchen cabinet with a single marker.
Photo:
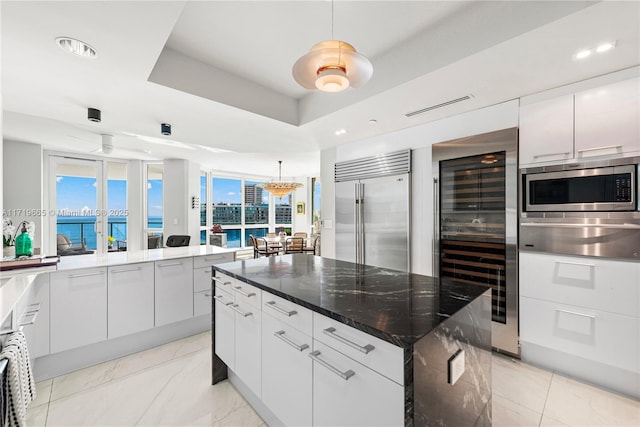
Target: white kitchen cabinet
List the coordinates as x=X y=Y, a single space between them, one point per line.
x=589 y=282
x=202 y=303
x=201 y=279
x=248 y=352
x=78 y=308
x=225 y=330
x=607 y=120
x=546 y=130
x=346 y=393
x=173 y=290
x=211 y=259
x=286 y=371
x=584 y=333
x=130 y=299
x=33 y=309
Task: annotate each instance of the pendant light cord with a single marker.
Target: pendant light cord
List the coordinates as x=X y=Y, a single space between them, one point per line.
x=332 y=20
x=279 y=170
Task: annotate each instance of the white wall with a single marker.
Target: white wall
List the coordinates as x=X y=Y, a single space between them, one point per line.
x=181 y=181
x=135 y=206
x=418 y=138
x=300 y=222
x=22 y=194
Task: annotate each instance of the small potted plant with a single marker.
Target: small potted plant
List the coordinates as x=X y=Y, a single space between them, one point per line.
x=8 y=239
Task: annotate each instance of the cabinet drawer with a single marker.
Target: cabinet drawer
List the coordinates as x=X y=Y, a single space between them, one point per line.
x=209 y=260
x=591 y=334
x=288 y=312
x=202 y=302
x=247 y=294
x=379 y=355
x=286 y=372
x=225 y=333
x=223 y=281
x=595 y=283
x=224 y=296
x=365 y=398
x=201 y=279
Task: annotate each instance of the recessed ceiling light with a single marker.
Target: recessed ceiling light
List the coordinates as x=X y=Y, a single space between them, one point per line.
x=341 y=132
x=372 y=121
x=76 y=47
x=605 y=46
x=583 y=54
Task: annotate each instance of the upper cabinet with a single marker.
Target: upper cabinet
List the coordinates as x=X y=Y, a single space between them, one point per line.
x=546 y=130
x=608 y=120
x=604 y=121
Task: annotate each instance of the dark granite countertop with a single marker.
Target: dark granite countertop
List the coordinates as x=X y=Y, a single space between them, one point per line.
x=395 y=306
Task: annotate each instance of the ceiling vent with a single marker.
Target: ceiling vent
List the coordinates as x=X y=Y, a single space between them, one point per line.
x=443 y=104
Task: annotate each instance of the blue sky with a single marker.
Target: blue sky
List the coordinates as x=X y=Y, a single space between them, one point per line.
x=76 y=193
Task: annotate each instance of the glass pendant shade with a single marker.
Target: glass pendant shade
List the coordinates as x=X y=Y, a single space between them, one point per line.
x=332 y=66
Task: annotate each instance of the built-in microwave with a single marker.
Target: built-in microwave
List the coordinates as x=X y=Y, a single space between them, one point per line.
x=591 y=189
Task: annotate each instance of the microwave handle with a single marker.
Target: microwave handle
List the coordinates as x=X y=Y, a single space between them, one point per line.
x=563 y=225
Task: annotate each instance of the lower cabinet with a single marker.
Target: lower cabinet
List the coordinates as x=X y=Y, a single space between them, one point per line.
x=33 y=316
x=225 y=329
x=202 y=303
x=346 y=393
x=130 y=297
x=78 y=308
x=286 y=372
x=248 y=323
x=173 y=290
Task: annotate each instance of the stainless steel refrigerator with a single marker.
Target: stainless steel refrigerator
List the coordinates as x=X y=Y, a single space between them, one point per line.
x=372 y=210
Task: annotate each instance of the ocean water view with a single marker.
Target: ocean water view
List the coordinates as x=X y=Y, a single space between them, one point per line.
x=81 y=227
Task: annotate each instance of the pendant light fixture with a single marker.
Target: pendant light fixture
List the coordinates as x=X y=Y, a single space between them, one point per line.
x=332 y=66
x=280 y=188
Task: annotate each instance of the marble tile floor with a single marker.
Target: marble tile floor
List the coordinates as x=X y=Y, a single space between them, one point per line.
x=170 y=386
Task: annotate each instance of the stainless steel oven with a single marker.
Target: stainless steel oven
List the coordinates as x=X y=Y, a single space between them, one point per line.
x=588 y=208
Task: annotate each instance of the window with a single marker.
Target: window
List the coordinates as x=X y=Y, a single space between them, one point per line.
x=256 y=204
x=154 y=205
x=117 y=206
x=203 y=208
x=227 y=208
x=315 y=207
x=283 y=209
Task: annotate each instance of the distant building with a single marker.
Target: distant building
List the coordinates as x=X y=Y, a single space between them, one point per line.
x=252 y=194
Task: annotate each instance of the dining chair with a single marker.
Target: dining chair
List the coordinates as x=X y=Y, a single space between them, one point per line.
x=272 y=235
x=312 y=247
x=300 y=234
x=262 y=248
x=293 y=245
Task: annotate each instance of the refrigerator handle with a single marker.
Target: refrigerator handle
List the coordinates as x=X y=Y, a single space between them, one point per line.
x=356 y=221
x=436 y=230
x=361 y=231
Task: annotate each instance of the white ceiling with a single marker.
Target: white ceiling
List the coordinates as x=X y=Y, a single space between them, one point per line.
x=220 y=71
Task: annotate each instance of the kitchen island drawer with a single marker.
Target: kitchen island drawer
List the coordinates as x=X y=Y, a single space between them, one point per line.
x=223 y=281
x=247 y=294
x=381 y=356
x=288 y=312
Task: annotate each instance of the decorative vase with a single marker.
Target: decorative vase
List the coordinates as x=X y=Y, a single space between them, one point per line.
x=8 y=251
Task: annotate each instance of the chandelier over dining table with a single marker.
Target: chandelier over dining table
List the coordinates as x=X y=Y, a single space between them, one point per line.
x=280 y=188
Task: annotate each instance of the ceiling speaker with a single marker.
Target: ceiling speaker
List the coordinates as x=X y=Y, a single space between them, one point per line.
x=94 y=115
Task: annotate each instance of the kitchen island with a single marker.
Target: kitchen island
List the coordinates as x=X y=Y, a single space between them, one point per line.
x=316 y=341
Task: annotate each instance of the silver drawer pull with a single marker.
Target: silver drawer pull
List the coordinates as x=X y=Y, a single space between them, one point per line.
x=575 y=313
x=344 y=375
x=332 y=333
x=243 y=293
x=127 y=270
x=234 y=307
x=219 y=280
x=170 y=264
x=565 y=153
x=28 y=318
x=605 y=147
x=207 y=271
x=73 y=276
x=273 y=305
x=221 y=299
x=207 y=295
x=576 y=263
x=281 y=335
x=32 y=307
x=214 y=258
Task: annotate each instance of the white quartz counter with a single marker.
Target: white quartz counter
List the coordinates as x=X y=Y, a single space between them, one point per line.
x=130 y=257
x=14 y=283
